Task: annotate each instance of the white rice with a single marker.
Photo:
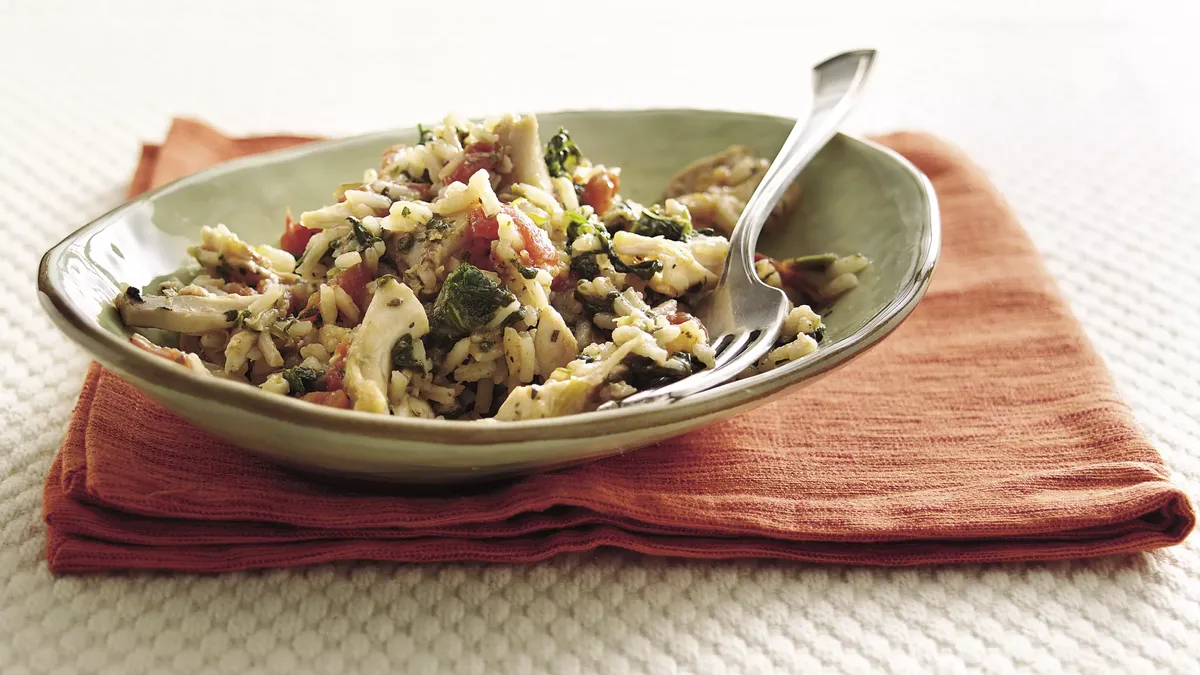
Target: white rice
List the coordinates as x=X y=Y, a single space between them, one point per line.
x=839 y=285
x=347 y=260
x=316 y=351
x=397 y=388
x=318 y=245
x=279 y=259
x=518 y=353
x=565 y=190
x=851 y=264
x=373 y=201
x=270 y=352
x=458 y=354
x=237 y=352
x=276 y=384
x=345 y=304
x=800 y=320
x=327 y=217
x=328 y=305
x=406 y=216
x=802 y=346
x=458 y=197
x=538 y=197
x=371 y=258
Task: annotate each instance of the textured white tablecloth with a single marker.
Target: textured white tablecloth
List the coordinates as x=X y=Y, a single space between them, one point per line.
x=1084 y=114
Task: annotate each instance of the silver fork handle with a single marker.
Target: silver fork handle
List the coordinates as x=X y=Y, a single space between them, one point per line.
x=836 y=84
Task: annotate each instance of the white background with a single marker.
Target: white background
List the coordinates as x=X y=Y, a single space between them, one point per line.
x=1085 y=114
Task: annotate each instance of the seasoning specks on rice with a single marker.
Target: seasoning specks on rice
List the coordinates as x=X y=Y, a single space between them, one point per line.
x=478 y=274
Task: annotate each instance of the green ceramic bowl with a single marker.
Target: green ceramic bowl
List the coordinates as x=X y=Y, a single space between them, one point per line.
x=858 y=197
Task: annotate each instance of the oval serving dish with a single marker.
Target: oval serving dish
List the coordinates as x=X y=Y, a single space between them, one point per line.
x=858 y=198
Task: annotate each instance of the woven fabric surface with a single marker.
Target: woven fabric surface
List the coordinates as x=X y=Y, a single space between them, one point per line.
x=1082 y=120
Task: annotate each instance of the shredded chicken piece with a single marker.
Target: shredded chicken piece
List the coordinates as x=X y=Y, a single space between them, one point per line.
x=187 y=314
x=393 y=313
x=519 y=138
x=716 y=188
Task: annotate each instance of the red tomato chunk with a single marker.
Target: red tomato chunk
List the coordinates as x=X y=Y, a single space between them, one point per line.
x=333 y=399
x=354 y=281
x=537 y=244
x=475 y=157
x=295 y=237
x=600 y=191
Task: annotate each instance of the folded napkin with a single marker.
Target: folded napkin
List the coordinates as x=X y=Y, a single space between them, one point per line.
x=985 y=429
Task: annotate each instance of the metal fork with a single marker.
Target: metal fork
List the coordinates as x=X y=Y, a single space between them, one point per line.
x=743 y=312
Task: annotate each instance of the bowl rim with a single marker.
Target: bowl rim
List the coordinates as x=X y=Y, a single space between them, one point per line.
x=123 y=356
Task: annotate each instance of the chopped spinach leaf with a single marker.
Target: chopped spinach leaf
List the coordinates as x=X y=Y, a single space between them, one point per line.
x=645 y=373
x=643 y=270
x=593 y=304
x=562 y=155
x=652 y=223
x=405 y=354
x=468 y=301
x=584 y=266
x=236 y=317
x=301 y=379
x=578 y=225
x=360 y=233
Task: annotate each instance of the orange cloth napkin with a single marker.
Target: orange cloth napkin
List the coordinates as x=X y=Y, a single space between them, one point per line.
x=985 y=429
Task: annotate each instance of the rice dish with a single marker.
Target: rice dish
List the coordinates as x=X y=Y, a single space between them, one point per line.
x=479 y=274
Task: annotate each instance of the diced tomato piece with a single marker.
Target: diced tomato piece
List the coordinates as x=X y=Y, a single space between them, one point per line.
x=476 y=156
x=336 y=375
x=333 y=399
x=791 y=277
x=295 y=237
x=480 y=253
x=600 y=191
x=537 y=243
x=481 y=226
x=334 y=379
x=354 y=281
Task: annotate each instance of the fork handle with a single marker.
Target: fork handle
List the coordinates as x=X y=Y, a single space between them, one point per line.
x=836 y=83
